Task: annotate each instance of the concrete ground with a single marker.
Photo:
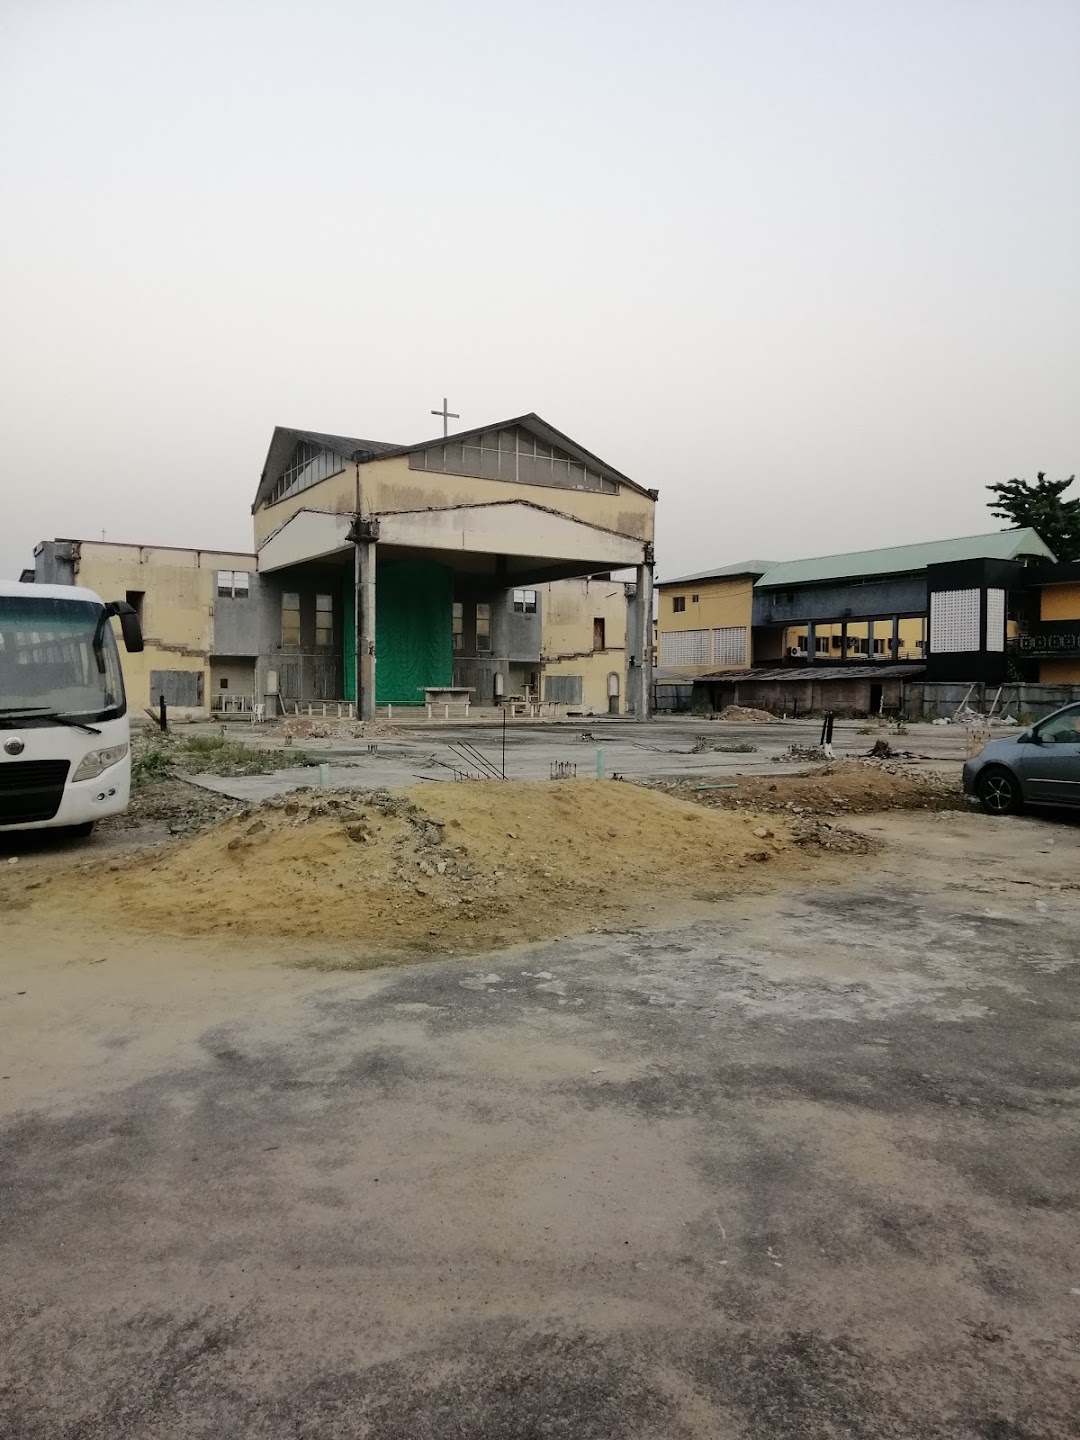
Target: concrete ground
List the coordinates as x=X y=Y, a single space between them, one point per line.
x=663 y=748
x=805 y=1168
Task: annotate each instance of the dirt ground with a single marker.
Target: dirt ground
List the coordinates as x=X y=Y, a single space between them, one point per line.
x=802 y=1165
x=439 y=868
x=848 y=787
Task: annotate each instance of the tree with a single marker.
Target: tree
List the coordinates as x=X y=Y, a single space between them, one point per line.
x=1041 y=506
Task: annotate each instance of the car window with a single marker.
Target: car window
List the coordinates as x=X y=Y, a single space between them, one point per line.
x=1062 y=729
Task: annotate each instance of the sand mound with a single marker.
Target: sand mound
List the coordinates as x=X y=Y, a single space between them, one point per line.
x=441 y=867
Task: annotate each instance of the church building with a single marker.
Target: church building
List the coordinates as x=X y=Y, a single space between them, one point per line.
x=385 y=570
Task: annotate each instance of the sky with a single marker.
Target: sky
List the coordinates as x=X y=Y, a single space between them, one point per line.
x=808 y=267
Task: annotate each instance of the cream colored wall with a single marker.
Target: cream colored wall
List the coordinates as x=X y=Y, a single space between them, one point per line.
x=1060 y=602
x=723 y=602
x=178 y=588
x=390 y=485
x=567 y=611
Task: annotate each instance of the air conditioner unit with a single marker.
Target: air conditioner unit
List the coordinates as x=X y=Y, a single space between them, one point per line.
x=796 y=653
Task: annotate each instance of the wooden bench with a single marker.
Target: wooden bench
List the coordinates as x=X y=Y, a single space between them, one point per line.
x=447 y=695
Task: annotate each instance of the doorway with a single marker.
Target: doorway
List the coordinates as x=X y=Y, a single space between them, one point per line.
x=613 y=693
x=876 y=695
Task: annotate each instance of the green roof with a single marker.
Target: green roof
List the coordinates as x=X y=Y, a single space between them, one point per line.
x=903 y=559
x=744 y=567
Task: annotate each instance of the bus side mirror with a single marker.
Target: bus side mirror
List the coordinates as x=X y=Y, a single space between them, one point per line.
x=129 y=625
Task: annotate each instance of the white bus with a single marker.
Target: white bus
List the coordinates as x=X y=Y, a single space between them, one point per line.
x=65 y=754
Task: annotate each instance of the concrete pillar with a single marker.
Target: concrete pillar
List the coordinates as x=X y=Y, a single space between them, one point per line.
x=811 y=641
x=870 y=639
x=894 y=641
x=639 y=644
x=843 y=639
x=365 y=629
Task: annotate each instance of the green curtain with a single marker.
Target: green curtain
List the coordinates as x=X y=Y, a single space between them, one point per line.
x=414 y=643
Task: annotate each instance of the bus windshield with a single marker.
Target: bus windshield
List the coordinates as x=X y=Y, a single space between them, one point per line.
x=58 y=656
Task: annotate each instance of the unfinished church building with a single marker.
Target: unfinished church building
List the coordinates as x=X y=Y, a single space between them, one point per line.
x=388 y=570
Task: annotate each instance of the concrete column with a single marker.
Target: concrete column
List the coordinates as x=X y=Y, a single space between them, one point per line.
x=869 y=639
x=843 y=639
x=639 y=644
x=365 y=629
x=811 y=641
x=894 y=642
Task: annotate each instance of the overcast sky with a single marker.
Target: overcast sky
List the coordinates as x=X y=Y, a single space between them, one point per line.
x=809 y=267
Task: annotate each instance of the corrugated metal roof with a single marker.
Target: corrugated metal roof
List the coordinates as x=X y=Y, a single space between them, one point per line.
x=806 y=673
x=901 y=559
x=744 y=567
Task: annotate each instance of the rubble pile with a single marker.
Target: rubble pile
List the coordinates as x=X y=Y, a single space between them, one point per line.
x=747 y=714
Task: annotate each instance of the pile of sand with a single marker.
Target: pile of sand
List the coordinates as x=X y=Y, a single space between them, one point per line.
x=442 y=867
x=746 y=713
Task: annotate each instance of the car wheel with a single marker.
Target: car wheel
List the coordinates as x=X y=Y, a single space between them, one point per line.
x=999 y=792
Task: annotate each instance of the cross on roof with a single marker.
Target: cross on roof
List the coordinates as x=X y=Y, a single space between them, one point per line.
x=447 y=415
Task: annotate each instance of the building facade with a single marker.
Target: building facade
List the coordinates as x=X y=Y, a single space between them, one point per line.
x=481 y=562
x=895 y=606
x=199 y=611
x=395 y=568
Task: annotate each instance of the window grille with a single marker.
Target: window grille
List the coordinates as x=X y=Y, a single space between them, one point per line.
x=684 y=647
x=954 y=621
x=995 y=620
x=729 y=645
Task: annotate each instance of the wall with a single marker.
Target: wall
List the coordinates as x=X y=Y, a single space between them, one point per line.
x=722 y=602
x=387 y=485
x=1059 y=602
x=874 y=600
x=179 y=599
x=239 y=673
x=1059 y=672
x=569 y=609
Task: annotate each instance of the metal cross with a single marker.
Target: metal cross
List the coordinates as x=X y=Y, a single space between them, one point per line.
x=447 y=415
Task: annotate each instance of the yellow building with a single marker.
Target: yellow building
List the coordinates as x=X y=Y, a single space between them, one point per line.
x=197 y=610
x=1058 y=632
x=583 y=642
x=705 y=621
x=868 y=606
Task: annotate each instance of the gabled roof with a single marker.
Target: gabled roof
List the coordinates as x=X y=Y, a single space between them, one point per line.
x=285 y=440
x=721 y=572
x=904 y=559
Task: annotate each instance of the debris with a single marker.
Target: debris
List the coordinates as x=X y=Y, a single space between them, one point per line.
x=747 y=714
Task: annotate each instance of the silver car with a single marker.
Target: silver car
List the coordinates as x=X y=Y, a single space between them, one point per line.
x=1041 y=766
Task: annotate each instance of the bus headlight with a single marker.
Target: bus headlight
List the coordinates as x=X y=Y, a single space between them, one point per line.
x=95 y=761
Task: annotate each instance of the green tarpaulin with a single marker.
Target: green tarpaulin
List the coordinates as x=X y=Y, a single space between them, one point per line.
x=414 y=643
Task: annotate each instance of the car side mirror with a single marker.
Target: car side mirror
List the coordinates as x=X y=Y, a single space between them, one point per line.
x=1028 y=737
x=129 y=625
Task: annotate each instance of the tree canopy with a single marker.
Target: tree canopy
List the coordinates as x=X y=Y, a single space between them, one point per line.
x=1042 y=506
